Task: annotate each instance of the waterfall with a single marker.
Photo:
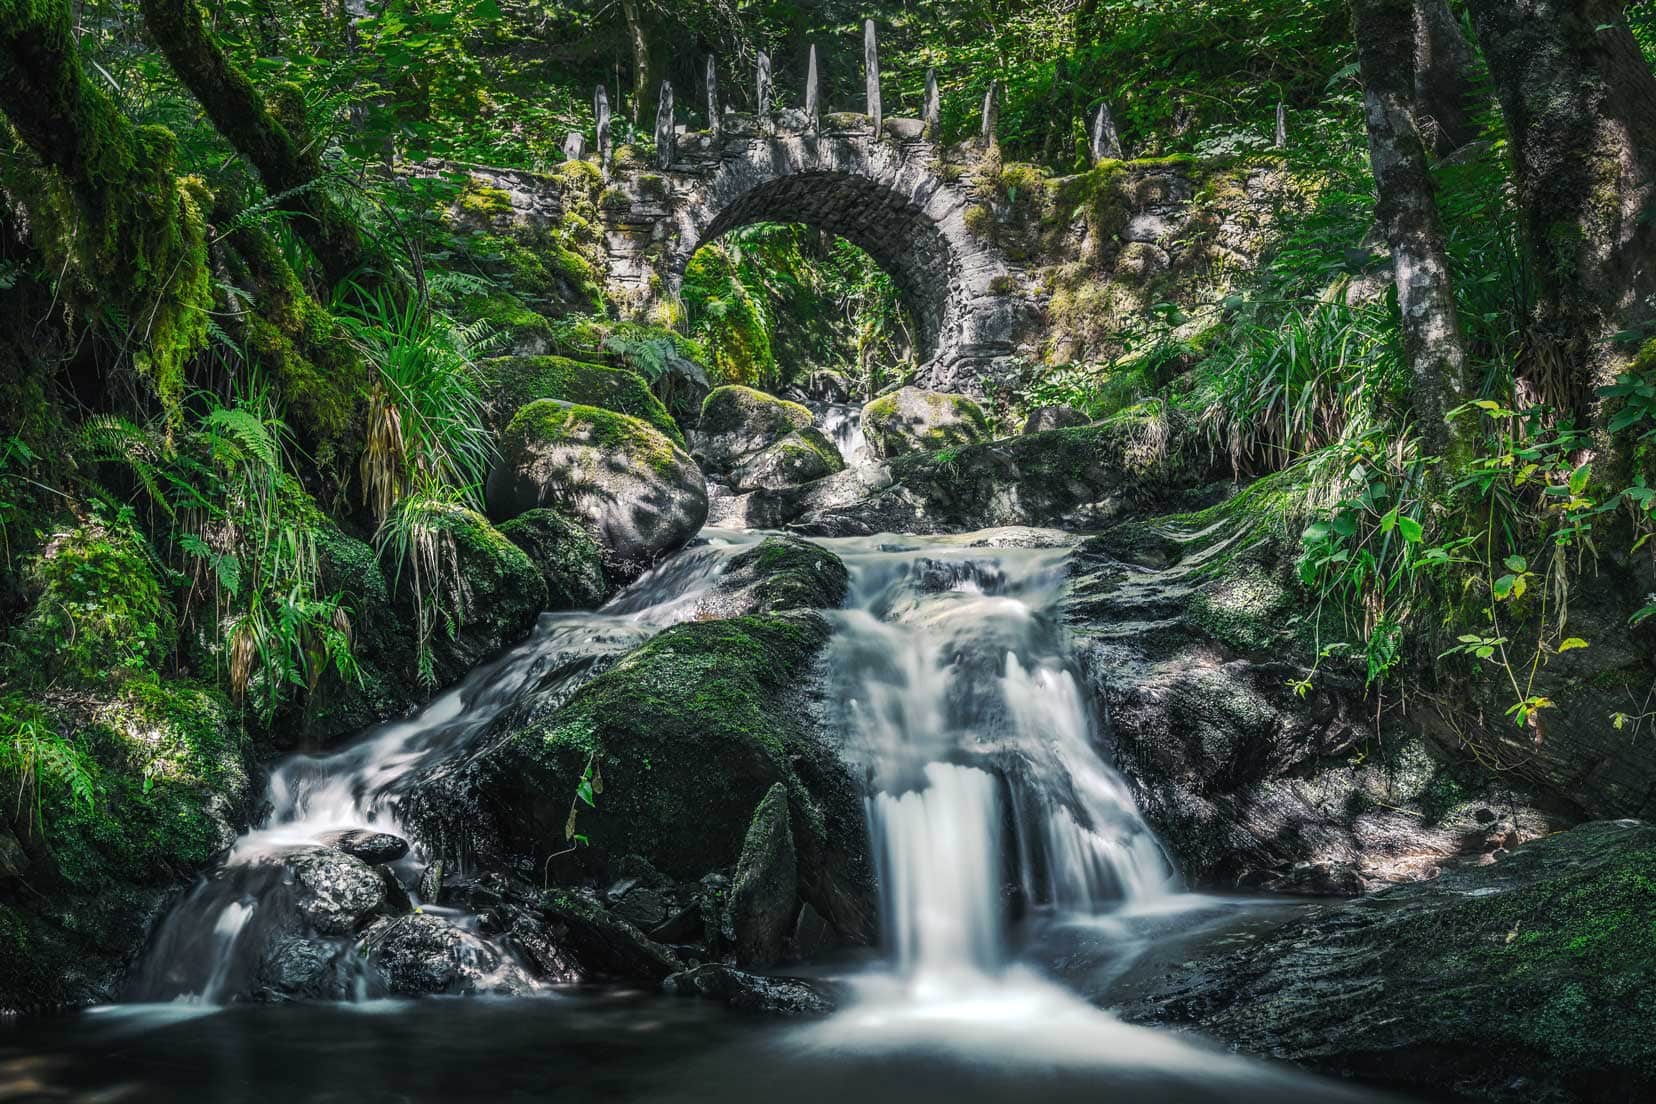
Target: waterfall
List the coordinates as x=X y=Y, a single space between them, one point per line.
x=990 y=798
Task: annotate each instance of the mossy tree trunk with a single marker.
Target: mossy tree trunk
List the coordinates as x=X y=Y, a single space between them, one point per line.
x=276 y=147
x=1443 y=71
x=106 y=208
x=1580 y=105
x=1409 y=216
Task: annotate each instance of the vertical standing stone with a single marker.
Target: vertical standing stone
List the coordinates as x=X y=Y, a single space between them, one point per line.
x=601 y=108
x=1282 y=127
x=933 y=116
x=574 y=147
x=813 y=92
x=765 y=88
x=666 y=130
x=1106 y=140
x=714 y=125
x=991 y=114
x=871 y=66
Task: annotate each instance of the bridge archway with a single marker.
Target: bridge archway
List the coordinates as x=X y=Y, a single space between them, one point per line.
x=884 y=194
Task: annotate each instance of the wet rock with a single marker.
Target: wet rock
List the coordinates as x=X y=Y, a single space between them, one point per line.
x=424 y=955
x=642 y=907
x=812 y=935
x=571 y=563
x=779 y=573
x=803 y=456
x=14 y=863
x=334 y=893
x=765 y=894
x=1054 y=417
x=501 y=593
x=365 y=844
x=430 y=886
x=772 y=508
x=602 y=941
x=637 y=494
x=777 y=996
x=1539 y=962
x=294 y=967
x=694 y=727
x=911 y=420
x=738 y=423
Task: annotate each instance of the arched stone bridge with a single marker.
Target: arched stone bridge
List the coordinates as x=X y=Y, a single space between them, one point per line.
x=888 y=192
x=885 y=192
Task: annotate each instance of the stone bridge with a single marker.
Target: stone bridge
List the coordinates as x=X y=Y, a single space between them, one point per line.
x=882 y=189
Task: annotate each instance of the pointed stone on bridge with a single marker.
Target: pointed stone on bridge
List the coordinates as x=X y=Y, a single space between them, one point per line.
x=991 y=114
x=1106 y=140
x=871 y=67
x=765 y=89
x=574 y=146
x=813 y=92
x=714 y=125
x=601 y=108
x=666 y=128
x=1282 y=126
x=933 y=112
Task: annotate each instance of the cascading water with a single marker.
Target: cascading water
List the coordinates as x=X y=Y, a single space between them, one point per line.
x=841 y=423
x=209 y=947
x=988 y=796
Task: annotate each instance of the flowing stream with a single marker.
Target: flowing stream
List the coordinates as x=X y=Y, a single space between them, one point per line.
x=992 y=815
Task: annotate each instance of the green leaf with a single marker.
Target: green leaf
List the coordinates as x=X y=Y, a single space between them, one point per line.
x=1411 y=529
x=1516 y=564
x=1579 y=478
x=1572 y=643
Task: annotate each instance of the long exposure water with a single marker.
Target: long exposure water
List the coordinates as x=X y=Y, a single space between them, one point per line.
x=992 y=814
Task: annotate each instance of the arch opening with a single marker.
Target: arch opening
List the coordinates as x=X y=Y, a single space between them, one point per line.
x=788 y=306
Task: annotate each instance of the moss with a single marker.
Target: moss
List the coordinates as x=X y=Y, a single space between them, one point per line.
x=689 y=737
x=912 y=420
x=99 y=612
x=501 y=593
x=786 y=573
x=512 y=382
x=1244 y=610
x=570 y=562
x=739 y=409
x=549 y=421
x=170 y=788
x=483 y=201
x=504 y=312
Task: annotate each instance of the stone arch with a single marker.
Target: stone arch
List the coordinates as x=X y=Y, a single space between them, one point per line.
x=884 y=193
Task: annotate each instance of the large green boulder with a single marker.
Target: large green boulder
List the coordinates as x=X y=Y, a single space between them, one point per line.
x=570 y=562
x=803 y=456
x=511 y=383
x=738 y=423
x=132 y=788
x=678 y=744
x=1538 y=960
x=912 y=420
x=497 y=593
x=637 y=493
x=97 y=612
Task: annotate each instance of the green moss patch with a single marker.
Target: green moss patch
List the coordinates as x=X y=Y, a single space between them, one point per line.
x=512 y=382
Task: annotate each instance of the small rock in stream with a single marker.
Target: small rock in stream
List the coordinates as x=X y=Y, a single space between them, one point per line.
x=777 y=996
x=369 y=846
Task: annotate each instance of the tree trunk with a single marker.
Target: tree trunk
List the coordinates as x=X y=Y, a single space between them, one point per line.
x=1408 y=214
x=290 y=168
x=1443 y=67
x=1580 y=106
x=645 y=68
x=109 y=210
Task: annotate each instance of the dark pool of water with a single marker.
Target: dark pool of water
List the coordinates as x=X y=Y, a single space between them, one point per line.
x=1021 y=1045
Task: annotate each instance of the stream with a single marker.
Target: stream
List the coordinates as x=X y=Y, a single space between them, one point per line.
x=1009 y=854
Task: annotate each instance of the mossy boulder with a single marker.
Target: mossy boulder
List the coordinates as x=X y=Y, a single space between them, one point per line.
x=803 y=456
x=1539 y=960
x=911 y=420
x=639 y=495
x=501 y=593
x=1054 y=417
x=764 y=895
x=738 y=423
x=526 y=333
x=780 y=573
x=98 y=611
x=510 y=383
x=681 y=740
x=165 y=783
x=570 y=562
